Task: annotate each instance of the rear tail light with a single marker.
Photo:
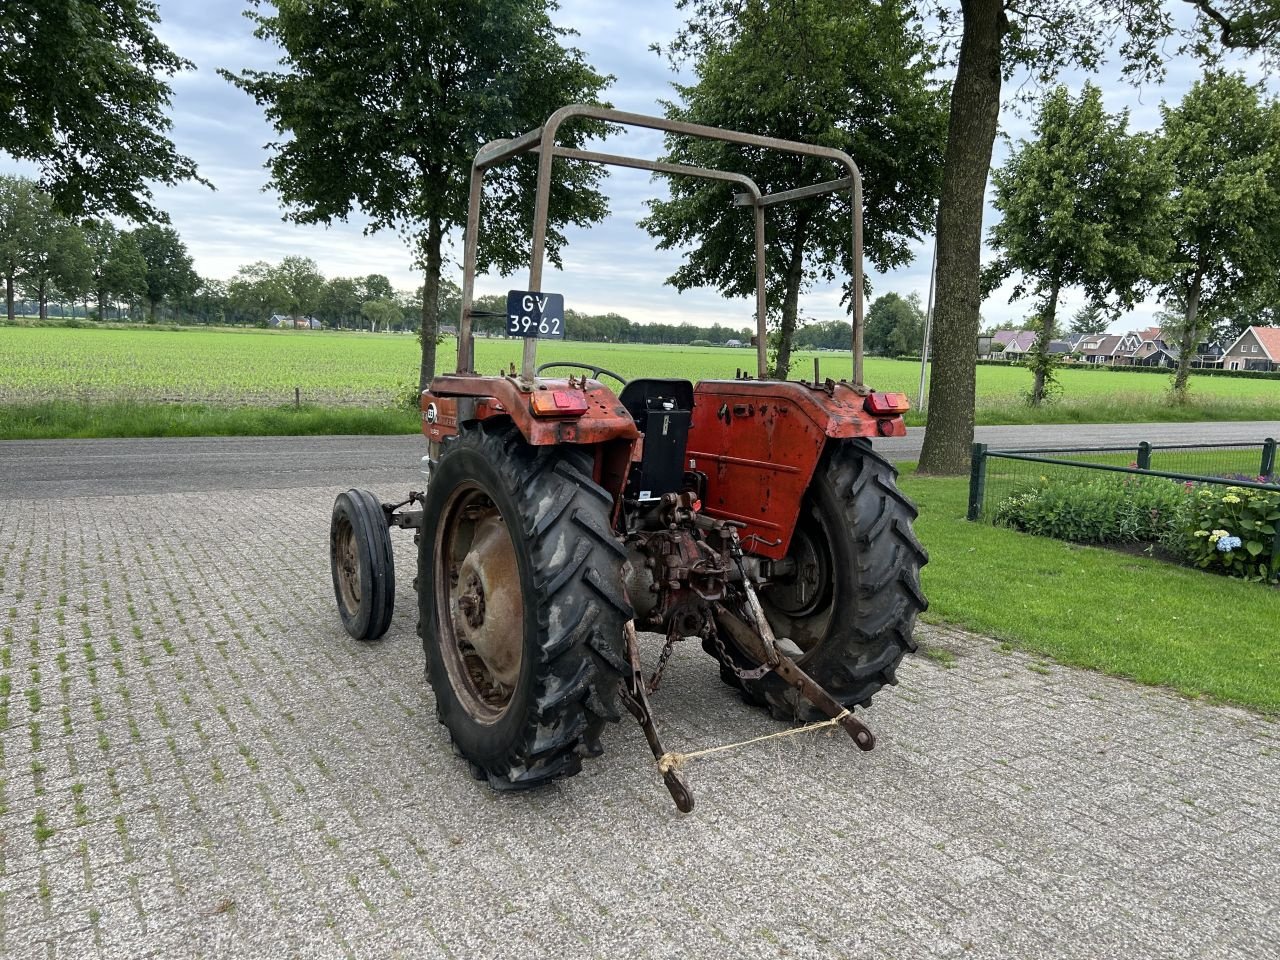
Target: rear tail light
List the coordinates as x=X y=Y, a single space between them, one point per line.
x=559 y=403
x=887 y=404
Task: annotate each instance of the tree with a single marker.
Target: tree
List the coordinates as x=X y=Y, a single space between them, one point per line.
x=382 y=107
x=115 y=264
x=83 y=94
x=895 y=326
x=852 y=76
x=375 y=287
x=169 y=273
x=20 y=201
x=1088 y=319
x=1222 y=143
x=340 y=301
x=55 y=258
x=302 y=284
x=255 y=292
x=381 y=313
x=1080 y=207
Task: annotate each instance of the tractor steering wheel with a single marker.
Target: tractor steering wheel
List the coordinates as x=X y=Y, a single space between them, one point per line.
x=595 y=370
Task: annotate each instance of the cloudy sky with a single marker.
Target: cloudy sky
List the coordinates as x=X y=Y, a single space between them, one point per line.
x=611 y=267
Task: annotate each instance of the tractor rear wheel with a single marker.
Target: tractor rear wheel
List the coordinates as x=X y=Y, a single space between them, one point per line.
x=522 y=605
x=363 y=568
x=850 y=600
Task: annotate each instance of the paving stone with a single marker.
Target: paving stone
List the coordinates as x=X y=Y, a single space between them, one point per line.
x=226 y=774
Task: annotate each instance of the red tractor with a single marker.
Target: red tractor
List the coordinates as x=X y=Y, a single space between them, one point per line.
x=562 y=515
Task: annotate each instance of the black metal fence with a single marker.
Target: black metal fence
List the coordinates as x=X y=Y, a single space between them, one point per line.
x=996 y=474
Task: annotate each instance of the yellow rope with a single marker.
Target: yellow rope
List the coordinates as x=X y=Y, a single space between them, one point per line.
x=671 y=760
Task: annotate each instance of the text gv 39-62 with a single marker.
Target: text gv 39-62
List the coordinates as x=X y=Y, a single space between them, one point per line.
x=532 y=314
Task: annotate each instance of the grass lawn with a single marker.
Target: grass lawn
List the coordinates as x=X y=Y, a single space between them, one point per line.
x=143 y=370
x=1153 y=622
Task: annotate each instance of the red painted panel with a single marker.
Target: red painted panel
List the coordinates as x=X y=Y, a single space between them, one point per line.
x=758 y=442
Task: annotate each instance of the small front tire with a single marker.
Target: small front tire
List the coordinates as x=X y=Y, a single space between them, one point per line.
x=361 y=561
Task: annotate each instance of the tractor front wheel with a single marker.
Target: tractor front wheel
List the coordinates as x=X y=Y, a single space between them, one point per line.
x=522 y=605
x=851 y=593
x=363 y=568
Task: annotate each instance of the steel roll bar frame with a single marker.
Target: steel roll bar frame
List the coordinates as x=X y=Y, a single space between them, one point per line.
x=542 y=141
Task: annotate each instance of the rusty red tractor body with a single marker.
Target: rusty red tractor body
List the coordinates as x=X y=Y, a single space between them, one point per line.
x=562 y=516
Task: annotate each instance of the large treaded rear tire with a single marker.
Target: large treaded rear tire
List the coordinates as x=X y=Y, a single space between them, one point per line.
x=855 y=639
x=574 y=607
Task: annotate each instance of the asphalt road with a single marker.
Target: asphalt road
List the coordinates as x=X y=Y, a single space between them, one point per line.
x=41 y=469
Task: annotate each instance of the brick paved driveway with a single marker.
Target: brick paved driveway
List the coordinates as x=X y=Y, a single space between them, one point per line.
x=197 y=761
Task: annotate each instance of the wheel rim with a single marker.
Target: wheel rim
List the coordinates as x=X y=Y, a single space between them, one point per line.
x=346 y=558
x=800 y=603
x=480 y=607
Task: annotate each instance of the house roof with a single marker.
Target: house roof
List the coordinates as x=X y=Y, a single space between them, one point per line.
x=1106 y=346
x=1267 y=337
x=1023 y=341
x=1150 y=333
x=1003 y=337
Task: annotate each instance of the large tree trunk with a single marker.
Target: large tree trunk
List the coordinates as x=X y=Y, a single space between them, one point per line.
x=42 y=294
x=8 y=295
x=102 y=303
x=1050 y=314
x=430 y=329
x=1190 y=340
x=971 y=133
x=790 y=303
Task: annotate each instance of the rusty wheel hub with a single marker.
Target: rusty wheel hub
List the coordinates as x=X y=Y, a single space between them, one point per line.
x=482 y=607
x=347 y=558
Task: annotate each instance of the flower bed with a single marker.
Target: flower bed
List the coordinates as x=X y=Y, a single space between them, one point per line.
x=1230 y=530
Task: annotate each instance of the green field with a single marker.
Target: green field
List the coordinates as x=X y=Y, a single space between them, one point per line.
x=262 y=368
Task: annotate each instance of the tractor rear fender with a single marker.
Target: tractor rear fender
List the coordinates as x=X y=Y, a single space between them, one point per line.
x=554 y=411
x=581 y=412
x=759 y=441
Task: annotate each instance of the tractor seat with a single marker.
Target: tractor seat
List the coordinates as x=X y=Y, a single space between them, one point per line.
x=645 y=394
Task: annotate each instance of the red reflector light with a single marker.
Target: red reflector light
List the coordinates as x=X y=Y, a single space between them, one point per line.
x=559 y=403
x=885 y=404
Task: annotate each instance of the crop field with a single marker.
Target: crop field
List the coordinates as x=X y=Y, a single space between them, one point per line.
x=262 y=368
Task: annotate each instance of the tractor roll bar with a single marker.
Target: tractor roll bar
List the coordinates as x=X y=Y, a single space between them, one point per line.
x=542 y=142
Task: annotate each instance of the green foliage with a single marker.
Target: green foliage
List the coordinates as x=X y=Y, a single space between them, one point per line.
x=168 y=265
x=1095 y=510
x=302 y=284
x=852 y=76
x=1090 y=318
x=18 y=211
x=83 y=95
x=382 y=106
x=55 y=257
x=1076 y=211
x=1222 y=143
x=117 y=268
x=381 y=314
x=1233 y=531
x=894 y=326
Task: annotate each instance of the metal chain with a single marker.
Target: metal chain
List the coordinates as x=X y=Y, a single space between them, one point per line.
x=667 y=650
x=732 y=664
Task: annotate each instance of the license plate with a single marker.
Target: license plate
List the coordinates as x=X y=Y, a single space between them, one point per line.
x=531 y=314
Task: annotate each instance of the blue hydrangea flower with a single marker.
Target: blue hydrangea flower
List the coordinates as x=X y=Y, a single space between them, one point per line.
x=1227 y=544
